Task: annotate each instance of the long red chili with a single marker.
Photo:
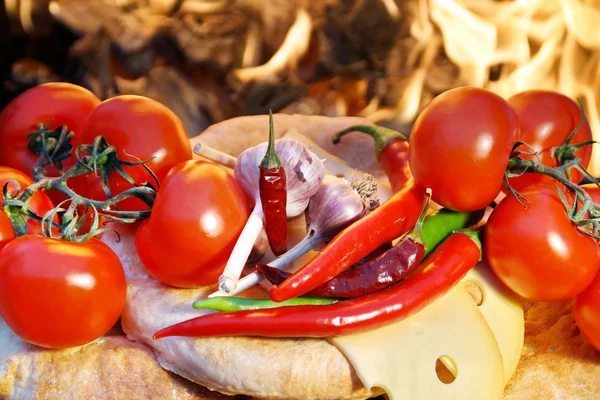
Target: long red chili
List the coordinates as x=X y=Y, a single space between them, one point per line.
x=387 y=222
x=392 y=151
x=273 y=196
x=372 y=276
x=441 y=271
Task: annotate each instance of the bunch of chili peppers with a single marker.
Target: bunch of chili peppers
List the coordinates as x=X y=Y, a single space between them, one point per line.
x=391 y=286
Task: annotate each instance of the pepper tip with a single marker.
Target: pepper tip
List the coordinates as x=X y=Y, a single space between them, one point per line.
x=275 y=294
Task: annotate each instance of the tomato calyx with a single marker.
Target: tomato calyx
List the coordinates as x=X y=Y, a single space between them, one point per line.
x=54 y=146
x=584 y=213
x=99 y=158
x=565 y=153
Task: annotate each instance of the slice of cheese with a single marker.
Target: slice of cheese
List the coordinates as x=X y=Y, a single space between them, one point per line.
x=400 y=358
x=503 y=313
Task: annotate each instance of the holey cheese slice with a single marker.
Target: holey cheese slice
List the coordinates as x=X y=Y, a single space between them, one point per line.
x=503 y=313
x=401 y=358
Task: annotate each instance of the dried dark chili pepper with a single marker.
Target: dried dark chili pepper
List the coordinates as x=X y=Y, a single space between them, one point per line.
x=442 y=270
x=392 y=265
x=392 y=151
x=273 y=195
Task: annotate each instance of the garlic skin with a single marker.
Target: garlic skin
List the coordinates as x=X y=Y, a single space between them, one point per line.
x=304 y=172
x=335 y=206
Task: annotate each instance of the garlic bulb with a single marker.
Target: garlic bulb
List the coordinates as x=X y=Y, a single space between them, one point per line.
x=304 y=173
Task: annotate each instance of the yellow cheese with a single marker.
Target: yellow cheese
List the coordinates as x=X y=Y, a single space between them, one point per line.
x=504 y=315
x=400 y=358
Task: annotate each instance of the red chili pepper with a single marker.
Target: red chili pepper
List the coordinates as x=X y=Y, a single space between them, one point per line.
x=392 y=151
x=387 y=222
x=442 y=270
x=372 y=276
x=273 y=196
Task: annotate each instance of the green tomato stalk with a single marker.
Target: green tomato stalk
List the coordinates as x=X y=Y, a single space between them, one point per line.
x=100 y=159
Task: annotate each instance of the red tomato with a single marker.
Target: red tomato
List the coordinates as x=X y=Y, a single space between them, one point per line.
x=537 y=251
x=136 y=126
x=39 y=202
x=587 y=313
x=51 y=103
x=460 y=145
x=546 y=118
x=59 y=294
x=198 y=215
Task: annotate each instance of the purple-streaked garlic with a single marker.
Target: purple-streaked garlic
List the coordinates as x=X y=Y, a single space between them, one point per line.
x=304 y=173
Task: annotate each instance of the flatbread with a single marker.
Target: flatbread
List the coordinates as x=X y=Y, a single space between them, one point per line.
x=110 y=368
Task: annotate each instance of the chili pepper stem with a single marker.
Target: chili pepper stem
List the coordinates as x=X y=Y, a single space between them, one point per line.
x=271 y=160
x=416 y=233
x=380 y=134
x=309 y=242
x=233 y=269
x=215 y=155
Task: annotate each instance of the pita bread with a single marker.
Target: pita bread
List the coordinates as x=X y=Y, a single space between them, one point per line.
x=110 y=368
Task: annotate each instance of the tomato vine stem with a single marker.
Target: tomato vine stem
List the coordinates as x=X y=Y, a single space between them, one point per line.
x=100 y=158
x=584 y=213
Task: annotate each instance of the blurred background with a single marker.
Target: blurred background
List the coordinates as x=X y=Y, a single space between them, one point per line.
x=209 y=60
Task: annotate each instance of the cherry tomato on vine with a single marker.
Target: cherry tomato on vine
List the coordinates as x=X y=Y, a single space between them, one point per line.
x=460 y=146
x=53 y=104
x=198 y=214
x=546 y=119
x=537 y=251
x=587 y=313
x=72 y=297
x=39 y=202
x=141 y=129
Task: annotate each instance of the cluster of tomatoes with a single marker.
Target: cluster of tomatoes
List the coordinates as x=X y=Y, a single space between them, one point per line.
x=58 y=294
x=460 y=147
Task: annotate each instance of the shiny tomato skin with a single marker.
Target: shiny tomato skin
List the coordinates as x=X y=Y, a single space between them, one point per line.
x=136 y=126
x=197 y=217
x=546 y=118
x=587 y=313
x=537 y=251
x=39 y=202
x=50 y=103
x=58 y=294
x=460 y=145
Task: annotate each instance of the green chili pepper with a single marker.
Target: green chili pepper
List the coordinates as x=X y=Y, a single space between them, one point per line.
x=440 y=224
x=226 y=303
